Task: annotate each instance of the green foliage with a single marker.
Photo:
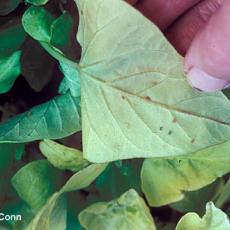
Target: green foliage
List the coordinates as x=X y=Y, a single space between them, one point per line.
x=63 y=157
x=127 y=212
x=37 y=2
x=33 y=183
x=36 y=22
x=183 y=173
x=214 y=219
x=224 y=197
x=71 y=81
x=196 y=201
x=7 y=153
x=52 y=216
x=51 y=120
x=9 y=70
x=15 y=32
x=118 y=178
x=60 y=31
x=129 y=96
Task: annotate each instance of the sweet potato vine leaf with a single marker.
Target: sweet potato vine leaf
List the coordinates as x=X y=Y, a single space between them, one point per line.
x=129 y=211
x=10 y=69
x=54 y=35
x=34 y=183
x=47 y=218
x=37 y=2
x=135 y=99
x=13 y=30
x=214 y=219
x=37 y=22
x=63 y=157
x=55 y=119
x=183 y=173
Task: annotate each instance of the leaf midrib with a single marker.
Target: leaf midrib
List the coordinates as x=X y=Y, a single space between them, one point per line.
x=150 y=100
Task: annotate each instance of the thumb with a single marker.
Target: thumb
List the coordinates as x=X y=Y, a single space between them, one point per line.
x=207 y=62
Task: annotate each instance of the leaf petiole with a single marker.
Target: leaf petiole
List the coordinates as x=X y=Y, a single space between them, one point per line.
x=58 y=55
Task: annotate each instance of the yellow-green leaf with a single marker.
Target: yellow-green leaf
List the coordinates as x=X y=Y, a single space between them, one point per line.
x=129 y=211
x=52 y=216
x=135 y=98
x=63 y=157
x=34 y=183
x=214 y=219
x=10 y=69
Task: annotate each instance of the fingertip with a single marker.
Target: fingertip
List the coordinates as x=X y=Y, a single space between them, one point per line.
x=207 y=61
x=132 y=2
x=201 y=80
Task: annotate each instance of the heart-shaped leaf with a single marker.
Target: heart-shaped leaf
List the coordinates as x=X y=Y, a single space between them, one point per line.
x=135 y=98
x=129 y=211
x=214 y=219
x=183 y=173
x=55 y=119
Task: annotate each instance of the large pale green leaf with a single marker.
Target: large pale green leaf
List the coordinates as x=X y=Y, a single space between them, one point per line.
x=214 y=219
x=136 y=101
x=164 y=180
x=10 y=69
x=55 y=119
x=63 y=157
x=129 y=211
x=35 y=183
x=51 y=216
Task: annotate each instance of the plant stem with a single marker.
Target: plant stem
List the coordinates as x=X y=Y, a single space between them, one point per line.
x=58 y=55
x=224 y=196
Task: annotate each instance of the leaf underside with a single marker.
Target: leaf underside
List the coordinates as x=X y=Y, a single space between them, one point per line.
x=134 y=90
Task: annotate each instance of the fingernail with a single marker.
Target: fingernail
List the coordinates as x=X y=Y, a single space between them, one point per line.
x=201 y=80
x=227 y=86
